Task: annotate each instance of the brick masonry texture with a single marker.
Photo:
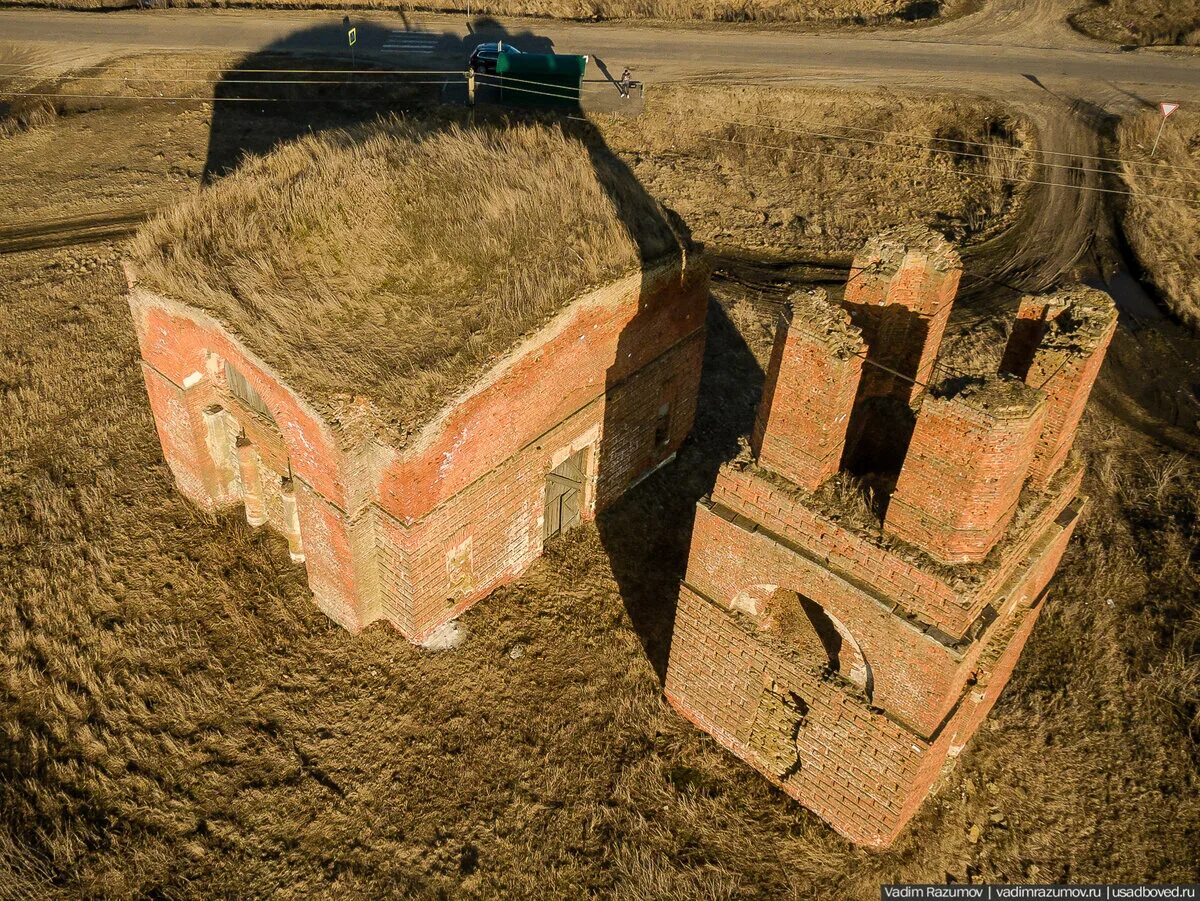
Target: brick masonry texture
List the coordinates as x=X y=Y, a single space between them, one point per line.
x=900 y=293
x=966 y=462
x=1058 y=345
x=416 y=534
x=928 y=610
x=811 y=383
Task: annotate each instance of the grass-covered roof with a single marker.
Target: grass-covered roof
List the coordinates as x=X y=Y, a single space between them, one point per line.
x=398 y=263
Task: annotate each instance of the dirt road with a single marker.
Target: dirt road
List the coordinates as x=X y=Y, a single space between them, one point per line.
x=1008 y=41
x=1018 y=51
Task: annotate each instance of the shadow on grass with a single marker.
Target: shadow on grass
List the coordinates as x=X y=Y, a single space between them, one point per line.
x=646 y=533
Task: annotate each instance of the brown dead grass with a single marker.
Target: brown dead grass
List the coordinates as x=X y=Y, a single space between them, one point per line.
x=18 y=76
x=397 y=262
x=179 y=721
x=831 y=171
x=1164 y=229
x=1141 y=22
x=834 y=12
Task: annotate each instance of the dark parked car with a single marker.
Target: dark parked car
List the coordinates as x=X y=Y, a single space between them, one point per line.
x=483 y=57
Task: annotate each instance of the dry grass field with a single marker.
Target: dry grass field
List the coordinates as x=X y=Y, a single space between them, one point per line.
x=814 y=179
x=831 y=12
x=1163 y=230
x=179 y=721
x=1141 y=22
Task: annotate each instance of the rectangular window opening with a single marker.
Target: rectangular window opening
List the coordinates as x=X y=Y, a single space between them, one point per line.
x=662 y=426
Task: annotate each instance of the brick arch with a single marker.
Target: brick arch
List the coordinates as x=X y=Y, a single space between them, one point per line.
x=845 y=653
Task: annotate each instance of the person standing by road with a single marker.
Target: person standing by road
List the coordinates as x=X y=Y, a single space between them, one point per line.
x=626 y=82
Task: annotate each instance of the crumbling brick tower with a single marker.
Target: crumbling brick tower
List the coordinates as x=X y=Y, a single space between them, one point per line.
x=847 y=659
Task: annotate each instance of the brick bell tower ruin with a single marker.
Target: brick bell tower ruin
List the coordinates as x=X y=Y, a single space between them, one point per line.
x=849 y=659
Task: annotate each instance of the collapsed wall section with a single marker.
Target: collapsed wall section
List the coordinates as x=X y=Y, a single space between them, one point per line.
x=808 y=734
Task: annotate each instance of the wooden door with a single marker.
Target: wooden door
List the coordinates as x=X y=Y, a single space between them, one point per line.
x=564 y=496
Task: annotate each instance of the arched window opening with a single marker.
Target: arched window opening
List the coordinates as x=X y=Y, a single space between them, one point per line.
x=808 y=628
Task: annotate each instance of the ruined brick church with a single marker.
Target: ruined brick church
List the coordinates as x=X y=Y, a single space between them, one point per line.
x=296 y=383
x=851 y=661
x=848 y=659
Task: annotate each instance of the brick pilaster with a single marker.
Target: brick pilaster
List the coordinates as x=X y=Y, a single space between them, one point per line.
x=813 y=378
x=968 y=458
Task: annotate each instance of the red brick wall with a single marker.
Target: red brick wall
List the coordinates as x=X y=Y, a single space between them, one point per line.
x=902 y=306
x=858 y=768
x=916 y=676
x=181 y=346
x=1000 y=659
x=928 y=595
x=800 y=429
x=915 y=684
x=502 y=512
x=853 y=764
x=416 y=536
x=178 y=342
x=1068 y=384
x=1028 y=327
x=180 y=431
x=962 y=475
x=596 y=343
x=921 y=593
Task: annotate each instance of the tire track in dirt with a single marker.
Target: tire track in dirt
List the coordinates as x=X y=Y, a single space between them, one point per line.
x=48 y=234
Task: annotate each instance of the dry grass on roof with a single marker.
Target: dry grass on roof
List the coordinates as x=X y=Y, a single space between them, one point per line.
x=398 y=263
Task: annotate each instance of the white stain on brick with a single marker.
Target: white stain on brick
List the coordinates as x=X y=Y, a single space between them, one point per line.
x=448 y=456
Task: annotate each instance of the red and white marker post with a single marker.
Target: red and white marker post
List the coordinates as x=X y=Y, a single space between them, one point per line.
x=1166 y=109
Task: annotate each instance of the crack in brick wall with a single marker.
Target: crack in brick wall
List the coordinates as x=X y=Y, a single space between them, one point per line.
x=980 y=497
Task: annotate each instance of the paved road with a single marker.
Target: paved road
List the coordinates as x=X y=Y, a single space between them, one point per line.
x=989 y=53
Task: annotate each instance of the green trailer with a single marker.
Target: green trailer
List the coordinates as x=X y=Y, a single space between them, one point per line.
x=540 y=79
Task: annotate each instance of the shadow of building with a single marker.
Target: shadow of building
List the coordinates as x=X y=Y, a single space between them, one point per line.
x=646 y=531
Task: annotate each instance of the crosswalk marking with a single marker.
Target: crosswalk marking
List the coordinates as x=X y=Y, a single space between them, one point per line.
x=410 y=42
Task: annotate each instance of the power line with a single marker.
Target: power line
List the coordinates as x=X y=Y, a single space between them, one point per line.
x=859 y=128
x=852 y=159
x=82 y=73
x=193 y=99
x=223 y=81
x=911 y=134
x=923 y=147
x=570 y=96
x=595 y=83
x=503 y=81
x=1024 y=181
x=601 y=82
